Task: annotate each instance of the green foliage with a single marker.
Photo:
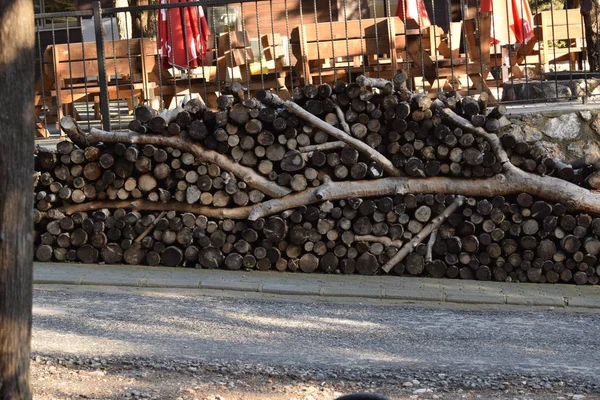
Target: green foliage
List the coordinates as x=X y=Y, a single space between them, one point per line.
x=561 y=44
x=58 y=5
x=546 y=5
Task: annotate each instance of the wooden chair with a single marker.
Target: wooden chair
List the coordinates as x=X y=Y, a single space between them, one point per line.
x=561 y=37
x=436 y=57
x=327 y=50
x=70 y=74
x=232 y=60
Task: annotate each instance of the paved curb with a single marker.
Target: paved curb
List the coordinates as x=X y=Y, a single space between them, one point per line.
x=339 y=286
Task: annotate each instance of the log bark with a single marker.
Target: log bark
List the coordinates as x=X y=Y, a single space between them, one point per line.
x=73 y=131
x=379 y=83
x=17 y=61
x=160 y=123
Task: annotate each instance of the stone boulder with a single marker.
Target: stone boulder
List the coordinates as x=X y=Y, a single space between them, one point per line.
x=572 y=137
x=550 y=90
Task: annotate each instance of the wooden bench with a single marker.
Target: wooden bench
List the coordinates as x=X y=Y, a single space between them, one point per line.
x=331 y=50
x=436 y=57
x=560 y=35
x=70 y=75
x=383 y=46
x=232 y=60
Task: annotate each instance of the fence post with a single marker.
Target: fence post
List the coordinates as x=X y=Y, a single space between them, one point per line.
x=104 y=110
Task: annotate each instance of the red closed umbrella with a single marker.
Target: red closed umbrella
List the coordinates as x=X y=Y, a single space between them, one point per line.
x=512 y=21
x=415 y=10
x=182 y=36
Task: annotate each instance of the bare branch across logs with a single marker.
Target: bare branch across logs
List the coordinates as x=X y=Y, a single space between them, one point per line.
x=201 y=154
x=421 y=235
x=271 y=98
x=574 y=197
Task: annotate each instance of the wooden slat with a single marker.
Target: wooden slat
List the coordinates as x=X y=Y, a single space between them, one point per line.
x=559 y=17
x=74 y=70
x=563 y=32
x=485 y=26
x=352 y=29
x=112 y=49
x=350 y=48
x=424 y=64
x=442 y=72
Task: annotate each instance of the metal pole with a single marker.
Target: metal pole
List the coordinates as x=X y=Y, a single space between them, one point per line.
x=104 y=110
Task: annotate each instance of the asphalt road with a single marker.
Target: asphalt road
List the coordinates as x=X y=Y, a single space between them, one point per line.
x=122 y=323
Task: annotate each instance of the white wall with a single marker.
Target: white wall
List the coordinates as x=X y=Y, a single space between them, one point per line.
x=109 y=32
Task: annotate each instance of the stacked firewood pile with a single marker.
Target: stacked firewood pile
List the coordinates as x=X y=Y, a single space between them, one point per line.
x=362 y=178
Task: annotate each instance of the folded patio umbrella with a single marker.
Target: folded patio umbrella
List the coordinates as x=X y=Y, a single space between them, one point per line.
x=182 y=36
x=415 y=10
x=512 y=21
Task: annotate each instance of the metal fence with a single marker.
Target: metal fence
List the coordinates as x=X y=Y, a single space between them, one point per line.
x=97 y=64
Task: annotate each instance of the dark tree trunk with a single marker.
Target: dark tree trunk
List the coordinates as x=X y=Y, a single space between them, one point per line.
x=589 y=11
x=16 y=200
x=141 y=20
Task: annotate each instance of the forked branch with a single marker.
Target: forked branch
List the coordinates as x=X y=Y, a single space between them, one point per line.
x=512 y=182
x=426 y=231
x=362 y=147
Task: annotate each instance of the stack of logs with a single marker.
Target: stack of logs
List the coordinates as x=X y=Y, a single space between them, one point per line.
x=121 y=172
x=497 y=239
x=246 y=187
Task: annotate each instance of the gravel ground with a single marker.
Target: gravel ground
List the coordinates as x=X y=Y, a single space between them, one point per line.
x=98 y=378
x=115 y=344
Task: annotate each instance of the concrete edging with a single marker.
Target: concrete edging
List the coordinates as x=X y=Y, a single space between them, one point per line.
x=410 y=289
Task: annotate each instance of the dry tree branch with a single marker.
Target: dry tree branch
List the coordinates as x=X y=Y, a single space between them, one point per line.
x=384 y=240
x=465 y=125
x=249 y=176
x=342 y=118
x=512 y=182
x=338 y=144
x=150 y=228
x=362 y=147
x=419 y=237
x=429 y=254
x=73 y=131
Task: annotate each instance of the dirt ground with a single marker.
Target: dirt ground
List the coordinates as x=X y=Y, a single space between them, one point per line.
x=52 y=380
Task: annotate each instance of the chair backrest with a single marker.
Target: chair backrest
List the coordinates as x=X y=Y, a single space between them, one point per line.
x=559 y=25
x=346 y=39
x=135 y=58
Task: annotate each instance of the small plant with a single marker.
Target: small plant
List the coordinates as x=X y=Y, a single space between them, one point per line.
x=561 y=44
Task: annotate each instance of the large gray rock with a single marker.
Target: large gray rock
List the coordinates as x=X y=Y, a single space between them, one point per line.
x=550 y=90
x=566 y=127
x=572 y=137
x=520 y=89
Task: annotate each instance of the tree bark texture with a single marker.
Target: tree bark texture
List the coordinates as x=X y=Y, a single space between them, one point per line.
x=17 y=61
x=590 y=10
